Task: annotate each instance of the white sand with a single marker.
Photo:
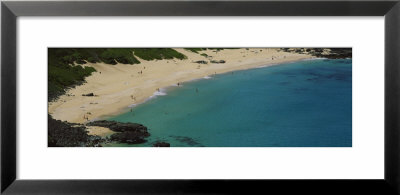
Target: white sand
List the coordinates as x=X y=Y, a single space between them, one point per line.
x=118 y=86
x=100 y=131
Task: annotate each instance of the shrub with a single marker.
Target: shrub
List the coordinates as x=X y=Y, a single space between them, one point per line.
x=65 y=70
x=158 y=53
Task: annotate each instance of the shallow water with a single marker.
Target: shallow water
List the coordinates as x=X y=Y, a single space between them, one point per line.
x=301 y=104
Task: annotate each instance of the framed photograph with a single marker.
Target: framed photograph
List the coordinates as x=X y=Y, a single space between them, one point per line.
x=199 y=97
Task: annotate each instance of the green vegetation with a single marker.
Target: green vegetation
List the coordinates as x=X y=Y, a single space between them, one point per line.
x=62 y=72
x=203 y=54
x=65 y=68
x=158 y=54
x=195 y=50
x=118 y=55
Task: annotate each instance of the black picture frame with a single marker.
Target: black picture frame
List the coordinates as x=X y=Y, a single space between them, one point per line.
x=10 y=10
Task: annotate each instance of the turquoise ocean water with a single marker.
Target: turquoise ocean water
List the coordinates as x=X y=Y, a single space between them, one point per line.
x=300 y=104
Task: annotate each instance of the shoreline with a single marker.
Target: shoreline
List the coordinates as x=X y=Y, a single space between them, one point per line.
x=117 y=87
x=164 y=90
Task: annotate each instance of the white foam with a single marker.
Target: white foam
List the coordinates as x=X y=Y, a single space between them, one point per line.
x=132 y=105
x=263 y=66
x=207 y=77
x=314 y=58
x=291 y=62
x=159 y=93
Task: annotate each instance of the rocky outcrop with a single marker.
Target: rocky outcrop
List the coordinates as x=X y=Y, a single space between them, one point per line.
x=132 y=133
x=218 y=61
x=201 y=62
x=89 y=94
x=161 y=144
x=64 y=134
x=129 y=137
x=95 y=141
x=119 y=126
x=187 y=141
x=331 y=53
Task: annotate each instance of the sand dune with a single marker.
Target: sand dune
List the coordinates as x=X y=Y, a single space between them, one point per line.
x=116 y=87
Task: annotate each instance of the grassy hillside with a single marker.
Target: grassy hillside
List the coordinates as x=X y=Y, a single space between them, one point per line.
x=62 y=73
x=65 y=68
x=158 y=54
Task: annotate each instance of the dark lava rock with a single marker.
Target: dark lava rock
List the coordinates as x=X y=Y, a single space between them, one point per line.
x=89 y=94
x=187 y=140
x=129 y=137
x=334 y=53
x=218 y=61
x=119 y=126
x=95 y=141
x=201 y=62
x=339 y=53
x=132 y=133
x=64 y=134
x=161 y=144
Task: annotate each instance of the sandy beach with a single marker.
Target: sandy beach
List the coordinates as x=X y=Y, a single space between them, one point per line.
x=116 y=87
